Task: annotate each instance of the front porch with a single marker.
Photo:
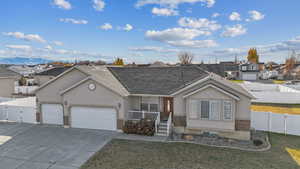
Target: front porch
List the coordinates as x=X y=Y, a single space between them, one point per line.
x=161 y=127
x=155 y=108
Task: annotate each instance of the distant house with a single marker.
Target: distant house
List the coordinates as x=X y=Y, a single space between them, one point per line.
x=8 y=79
x=230 y=70
x=45 y=76
x=249 y=71
x=23 y=70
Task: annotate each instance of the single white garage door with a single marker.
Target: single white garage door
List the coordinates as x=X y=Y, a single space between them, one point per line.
x=249 y=77
x=94 y=118
x=52 y=114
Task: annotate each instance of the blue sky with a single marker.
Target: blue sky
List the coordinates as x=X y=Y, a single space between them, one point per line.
x=144 y=31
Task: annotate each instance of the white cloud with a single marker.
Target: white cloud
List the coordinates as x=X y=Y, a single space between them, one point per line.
x=255 y=16
x=234 y=16
x=265 y=51
x=153 y=49
x=128 y=27
x=73 y=21
x=63 y=4
x=174 y=3
x=201 y=23
x=234 y=31
x=194 y=43
x=215 y=15
x=164 y=12
x=28 y=37
x=174 y=34
x=58 y=43
x=106 y=26
x=48 y=47
x=98 y=5
x=181 y=37
x=19 y=47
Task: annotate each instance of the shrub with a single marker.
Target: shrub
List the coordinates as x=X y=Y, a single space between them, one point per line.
x=141 y=127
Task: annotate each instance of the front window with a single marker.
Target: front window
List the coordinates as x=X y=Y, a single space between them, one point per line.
x=210 y=109
x=153 y=108
x=227 y=110
x=144 y=107
x=204 y=109
x=149 y=107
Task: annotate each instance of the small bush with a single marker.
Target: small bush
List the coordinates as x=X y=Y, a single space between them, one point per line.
x=142 y=127
x=257 y=142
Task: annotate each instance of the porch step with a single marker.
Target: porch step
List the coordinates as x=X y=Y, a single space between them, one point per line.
x=162 y=129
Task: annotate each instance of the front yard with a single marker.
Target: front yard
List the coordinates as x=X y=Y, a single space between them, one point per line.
x=124 y=154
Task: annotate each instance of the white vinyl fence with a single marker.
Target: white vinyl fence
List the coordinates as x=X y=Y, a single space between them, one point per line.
x=278 y=123
x=19 y=110
x=18 y=114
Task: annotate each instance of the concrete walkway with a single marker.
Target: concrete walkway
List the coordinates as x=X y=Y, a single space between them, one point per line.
x=25 y=146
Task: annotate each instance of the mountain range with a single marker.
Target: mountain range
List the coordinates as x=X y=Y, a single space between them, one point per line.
x=23 y=60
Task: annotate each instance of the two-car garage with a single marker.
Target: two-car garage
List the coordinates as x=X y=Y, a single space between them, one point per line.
x=81 y=117
x=94 y=118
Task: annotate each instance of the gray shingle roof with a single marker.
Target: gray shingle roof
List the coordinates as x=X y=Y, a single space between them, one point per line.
x=54 y=71
x=5 y=72
x=218 y=69
x=157 y=80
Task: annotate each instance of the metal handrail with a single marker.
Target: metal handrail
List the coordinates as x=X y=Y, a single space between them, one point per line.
x=169 y=123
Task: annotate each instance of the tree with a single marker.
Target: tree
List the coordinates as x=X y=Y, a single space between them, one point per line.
x=185 y=58
x=119 y=62
x=290 y=64
x=253 y=57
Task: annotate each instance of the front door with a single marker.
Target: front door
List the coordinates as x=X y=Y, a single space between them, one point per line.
x=168 y=107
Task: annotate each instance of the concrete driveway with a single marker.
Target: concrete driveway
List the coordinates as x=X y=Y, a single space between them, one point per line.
x=25 y=146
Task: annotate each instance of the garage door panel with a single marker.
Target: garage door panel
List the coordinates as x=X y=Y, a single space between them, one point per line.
x=52 y=114
x=249 y=76
x=93 y=118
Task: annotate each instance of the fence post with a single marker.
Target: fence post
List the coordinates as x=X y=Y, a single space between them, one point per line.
x=143 y=114
x=285 y=129
x=270 y=122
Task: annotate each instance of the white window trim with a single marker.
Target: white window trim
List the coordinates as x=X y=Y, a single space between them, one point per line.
x=232 y=111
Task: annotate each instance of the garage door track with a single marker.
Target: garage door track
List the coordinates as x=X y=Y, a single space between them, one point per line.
x=25 y=146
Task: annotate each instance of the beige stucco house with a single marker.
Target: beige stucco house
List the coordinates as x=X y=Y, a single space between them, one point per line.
x=104 y=97
x=8 y=79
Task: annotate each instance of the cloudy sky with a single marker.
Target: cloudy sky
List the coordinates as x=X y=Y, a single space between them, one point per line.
x=148 y=30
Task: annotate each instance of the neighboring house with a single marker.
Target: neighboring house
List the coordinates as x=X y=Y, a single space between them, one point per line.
x=23 y=70
x=249 y=72
x=47 y=75
x=269 y=74
x=230 y=70
x=102 y=98
x=8 y=80
x=218 y=69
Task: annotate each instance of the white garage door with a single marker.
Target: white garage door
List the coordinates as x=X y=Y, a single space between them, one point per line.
x=94 y=118
x=52 y=114
x=249 y=77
